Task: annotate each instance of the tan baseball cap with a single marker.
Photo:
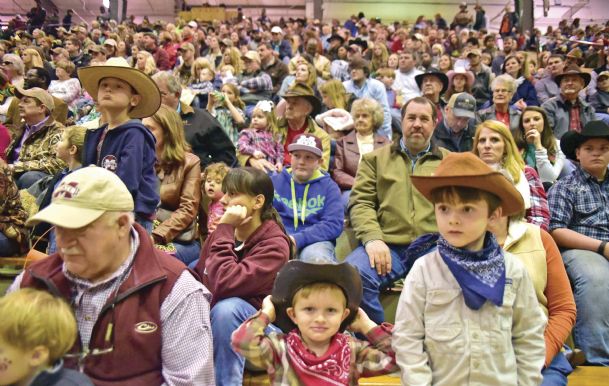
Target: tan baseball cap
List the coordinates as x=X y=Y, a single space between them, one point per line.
x=37 y=93
x=84 y=196
x=251 y=55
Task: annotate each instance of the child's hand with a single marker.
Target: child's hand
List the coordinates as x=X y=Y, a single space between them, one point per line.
x=362 y=323
x=268 y=308
x=235 y=215
x=258 y=154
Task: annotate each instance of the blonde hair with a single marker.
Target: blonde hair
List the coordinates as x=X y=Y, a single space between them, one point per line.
x=512 y=161
x=335 y=91
x=372 y=107
x=312 y=79
x=219 y=169
x=174 y=143
x=32 y=318
x=36 y=59
x=75 y=135
x=150 y=65
x=379 y=62
x=235 y=60
x=197 y=66
x=67 y=66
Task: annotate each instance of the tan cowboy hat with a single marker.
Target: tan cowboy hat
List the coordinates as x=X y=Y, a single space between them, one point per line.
x=119 y=68
x=297 y=274
x=469 y=171
x=573 y=70
x=306 y=92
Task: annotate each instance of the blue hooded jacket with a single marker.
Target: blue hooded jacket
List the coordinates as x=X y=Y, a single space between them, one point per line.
x=324 y=212
x=129 y=151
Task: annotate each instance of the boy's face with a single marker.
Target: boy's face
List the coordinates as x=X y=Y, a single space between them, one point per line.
x=319 y=315
x=304 y=164
x=593 y=155
x=15 y=365
x=213 y=187
x=116 y=95
x=463 y=224
x=387 y=81
x=603 y=83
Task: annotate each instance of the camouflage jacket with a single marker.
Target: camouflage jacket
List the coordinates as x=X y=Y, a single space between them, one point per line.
x=12 y=214
x=38 y=150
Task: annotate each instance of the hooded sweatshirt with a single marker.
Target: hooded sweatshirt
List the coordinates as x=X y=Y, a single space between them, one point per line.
x=321 y=216
x=127 y=150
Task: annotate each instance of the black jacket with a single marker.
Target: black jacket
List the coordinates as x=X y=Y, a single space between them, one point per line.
x=207 y=138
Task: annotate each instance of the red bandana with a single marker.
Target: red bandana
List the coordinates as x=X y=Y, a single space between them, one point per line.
x=331 y=369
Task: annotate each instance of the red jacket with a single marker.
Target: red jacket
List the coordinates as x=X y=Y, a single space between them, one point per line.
x=136 y=357
x=249 y=273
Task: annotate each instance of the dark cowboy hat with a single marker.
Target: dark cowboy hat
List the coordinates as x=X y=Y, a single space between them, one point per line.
x=572 y=70
x=358 y=41
x=467 y=170
x=437 y=73
x=296 y=274
x=336 y=37
x=304 y=91
x=572 y=139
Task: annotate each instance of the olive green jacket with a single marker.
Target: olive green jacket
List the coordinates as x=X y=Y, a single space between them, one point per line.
x=384 y=205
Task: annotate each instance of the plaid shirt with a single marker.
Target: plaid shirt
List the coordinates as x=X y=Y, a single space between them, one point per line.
x=269 y=352
x=260 y=81
x=539 y=212
x=186 y=330
x=579 y=203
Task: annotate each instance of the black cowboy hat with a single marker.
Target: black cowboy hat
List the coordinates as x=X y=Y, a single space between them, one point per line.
x=296 y=274
x=437 y=73
x=337 y=37
x=358 y=41
x=572 y=140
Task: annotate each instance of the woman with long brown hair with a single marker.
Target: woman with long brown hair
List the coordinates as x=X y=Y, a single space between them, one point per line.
x=179 y=172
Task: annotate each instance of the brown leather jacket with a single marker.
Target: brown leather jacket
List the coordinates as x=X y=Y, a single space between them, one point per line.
x=180 y=193
x=346 y=160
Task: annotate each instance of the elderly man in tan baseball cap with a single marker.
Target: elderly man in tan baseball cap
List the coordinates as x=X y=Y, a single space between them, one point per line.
x=129 y=292
x=31 y=155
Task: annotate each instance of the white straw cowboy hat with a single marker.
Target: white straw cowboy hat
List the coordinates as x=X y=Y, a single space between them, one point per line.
x=119 y=68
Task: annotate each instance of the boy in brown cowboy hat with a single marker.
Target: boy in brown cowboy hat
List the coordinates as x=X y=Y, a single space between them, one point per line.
x=313 y=304
x=123 y=144
x=468 y=311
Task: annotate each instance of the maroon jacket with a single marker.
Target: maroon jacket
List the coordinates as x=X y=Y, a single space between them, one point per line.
x=136 y=357
x=161 y=57
x=248 y=274
x=346 y=160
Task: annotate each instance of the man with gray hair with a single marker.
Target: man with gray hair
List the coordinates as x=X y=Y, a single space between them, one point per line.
x=143 y=318
x=455 y=130
x=203 y=132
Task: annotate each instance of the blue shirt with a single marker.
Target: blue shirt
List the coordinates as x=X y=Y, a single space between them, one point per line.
x=28 y=131
x=414 y=158
x=374 y=89
x=579 y=202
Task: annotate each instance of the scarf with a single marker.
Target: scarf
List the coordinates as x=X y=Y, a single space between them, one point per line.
x=480 y=274
x=331 y=369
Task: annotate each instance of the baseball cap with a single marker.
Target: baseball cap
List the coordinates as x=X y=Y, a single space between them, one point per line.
x=110 y=42
x=193 y=24
x=187 y=47
x=251 y=55
x=463 y=105
x=474 y=51
x=276 y=30
x=306 y=142
x=37 y=93
x=83 y=196
x=603 y=74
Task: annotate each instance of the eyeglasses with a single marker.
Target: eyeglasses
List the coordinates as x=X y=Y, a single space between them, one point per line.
x=501 y=91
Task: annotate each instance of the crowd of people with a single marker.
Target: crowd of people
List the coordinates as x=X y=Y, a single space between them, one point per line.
x=179 y=174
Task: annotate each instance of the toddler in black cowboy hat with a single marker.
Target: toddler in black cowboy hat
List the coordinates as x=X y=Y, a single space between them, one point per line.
x=313 y=304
